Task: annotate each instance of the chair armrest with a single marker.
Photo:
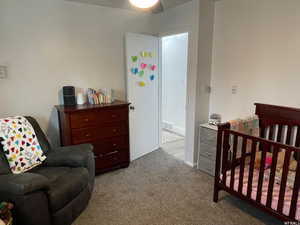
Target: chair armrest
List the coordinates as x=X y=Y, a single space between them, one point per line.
x=21 y=184
x=72 y=156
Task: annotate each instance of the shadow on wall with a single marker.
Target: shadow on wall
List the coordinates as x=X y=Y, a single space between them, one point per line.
x=52 y=131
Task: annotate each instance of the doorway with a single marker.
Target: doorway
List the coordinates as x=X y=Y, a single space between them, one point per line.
x=173 y=94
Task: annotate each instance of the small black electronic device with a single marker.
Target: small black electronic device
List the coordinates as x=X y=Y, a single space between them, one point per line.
x=69 y=95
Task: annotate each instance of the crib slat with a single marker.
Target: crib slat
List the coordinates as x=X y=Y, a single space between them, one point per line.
x=235 y=144
x=261 y=130
x=272 y=176
x=242 y=165
x=226 y=148
x=261 y=172
x=271 y=132
x=295 y=192
x=251 y=169
x=297 y=143
x=288 y=135
x=285 y=171
x=279 y=133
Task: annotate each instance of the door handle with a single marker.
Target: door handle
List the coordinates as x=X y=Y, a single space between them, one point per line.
x=131 y=108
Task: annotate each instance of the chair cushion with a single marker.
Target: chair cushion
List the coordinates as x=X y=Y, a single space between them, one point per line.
x=65 y=184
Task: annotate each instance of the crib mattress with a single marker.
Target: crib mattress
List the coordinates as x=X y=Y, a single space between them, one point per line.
x=276 y=189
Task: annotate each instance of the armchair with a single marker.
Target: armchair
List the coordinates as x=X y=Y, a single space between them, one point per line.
x=54 y=193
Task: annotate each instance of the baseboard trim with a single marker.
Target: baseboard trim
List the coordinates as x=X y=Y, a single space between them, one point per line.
x=173 y=128
x=193 y=165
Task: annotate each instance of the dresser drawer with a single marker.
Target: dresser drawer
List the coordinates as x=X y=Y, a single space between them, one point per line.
x=111 y=159
x=206 y=165
x=110 y=144
x=208 y=136
x=83 y=119
x=97 y=117
x=84 y=135
x=112 y=115
x=208 y=151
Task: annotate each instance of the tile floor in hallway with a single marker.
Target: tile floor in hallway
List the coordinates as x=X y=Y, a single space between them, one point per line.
x=173 y=144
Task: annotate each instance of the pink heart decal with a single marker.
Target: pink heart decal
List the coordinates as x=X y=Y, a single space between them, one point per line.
x=153 y=67
x=143 y=65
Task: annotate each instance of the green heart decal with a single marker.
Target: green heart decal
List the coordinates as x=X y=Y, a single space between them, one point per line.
x=141 y=73
x=134 y=58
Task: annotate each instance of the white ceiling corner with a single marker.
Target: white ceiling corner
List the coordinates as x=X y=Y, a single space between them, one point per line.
x=124 y=4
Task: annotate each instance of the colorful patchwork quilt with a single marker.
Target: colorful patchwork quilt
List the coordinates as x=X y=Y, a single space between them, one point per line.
x=20 y=144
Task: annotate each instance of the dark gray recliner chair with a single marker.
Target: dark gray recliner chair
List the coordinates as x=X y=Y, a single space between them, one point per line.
x=54 y=193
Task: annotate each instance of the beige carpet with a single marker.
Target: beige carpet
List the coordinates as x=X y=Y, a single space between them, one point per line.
x=160 y=190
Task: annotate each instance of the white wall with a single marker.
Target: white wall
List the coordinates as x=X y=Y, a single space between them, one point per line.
x=174 y=72
x=256 y=48
x=47 y=44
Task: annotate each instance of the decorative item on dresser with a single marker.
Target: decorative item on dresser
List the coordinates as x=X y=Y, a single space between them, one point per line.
x=105 y=126
x=207 y=148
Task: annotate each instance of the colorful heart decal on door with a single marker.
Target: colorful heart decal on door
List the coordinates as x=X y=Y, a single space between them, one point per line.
x=142 y=84
x=152 y=77
x=134 y=58
x=143 y=66
x=141 y=73
x=134 y=71
x=153 y=67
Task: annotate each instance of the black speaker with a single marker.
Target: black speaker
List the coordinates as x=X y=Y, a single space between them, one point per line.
x=69 y=95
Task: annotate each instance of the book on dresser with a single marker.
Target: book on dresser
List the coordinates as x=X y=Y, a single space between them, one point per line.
x=207 y=148
x=104 y=126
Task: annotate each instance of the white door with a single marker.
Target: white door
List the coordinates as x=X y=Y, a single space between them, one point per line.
x=142 y=92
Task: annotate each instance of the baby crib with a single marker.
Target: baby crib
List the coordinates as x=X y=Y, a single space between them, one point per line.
x=272 y=189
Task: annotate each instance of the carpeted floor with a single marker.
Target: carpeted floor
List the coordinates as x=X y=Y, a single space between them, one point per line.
x=157 y=189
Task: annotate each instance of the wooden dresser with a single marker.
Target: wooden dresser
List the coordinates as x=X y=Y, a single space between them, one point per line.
x=104 y=126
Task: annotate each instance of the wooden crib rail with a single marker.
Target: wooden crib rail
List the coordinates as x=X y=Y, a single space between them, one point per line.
x=227 y=162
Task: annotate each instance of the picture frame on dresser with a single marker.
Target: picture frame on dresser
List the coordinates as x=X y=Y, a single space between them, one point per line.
x=105 y=126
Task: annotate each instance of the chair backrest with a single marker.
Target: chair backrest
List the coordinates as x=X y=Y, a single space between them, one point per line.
x=40 y=134
x=4 y=166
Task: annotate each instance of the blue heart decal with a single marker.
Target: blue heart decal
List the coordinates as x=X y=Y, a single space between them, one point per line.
x=152 y=77
x=134 y=71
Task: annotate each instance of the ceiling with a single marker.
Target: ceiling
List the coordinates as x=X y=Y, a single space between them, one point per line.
x=124 y=4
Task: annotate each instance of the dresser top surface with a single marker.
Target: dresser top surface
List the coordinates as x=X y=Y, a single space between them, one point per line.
x=209 y=126
x=75 y=108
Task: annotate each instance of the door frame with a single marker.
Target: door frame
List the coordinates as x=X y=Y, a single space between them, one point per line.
x=161 y=35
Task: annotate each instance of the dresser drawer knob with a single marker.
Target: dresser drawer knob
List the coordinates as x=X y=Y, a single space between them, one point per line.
x=112 y=153
x=88 y=135
x=113 y=116
x=115 y=130
x=86 y=120
x=114 y=145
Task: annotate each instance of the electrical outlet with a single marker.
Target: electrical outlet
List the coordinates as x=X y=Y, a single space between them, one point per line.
x=3 y=72
x=234 y=89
